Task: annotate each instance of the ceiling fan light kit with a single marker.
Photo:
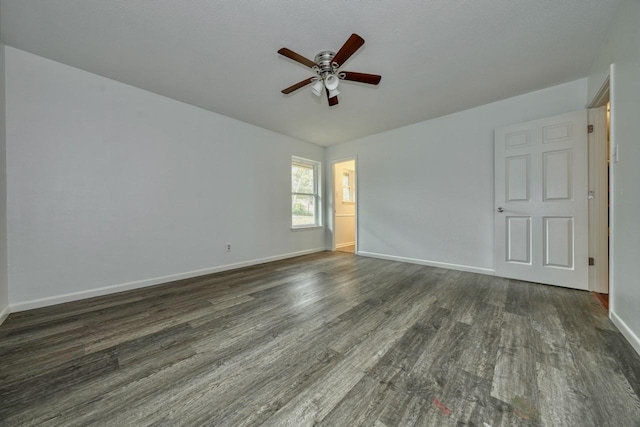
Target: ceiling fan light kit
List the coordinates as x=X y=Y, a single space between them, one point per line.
x=317 y=87
x=331 y=81
x=326 y=65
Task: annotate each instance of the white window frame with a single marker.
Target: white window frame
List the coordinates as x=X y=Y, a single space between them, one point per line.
x=350 y=175
x=316 y=192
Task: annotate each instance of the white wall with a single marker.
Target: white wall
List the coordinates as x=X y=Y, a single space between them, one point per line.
x=623 y=48
x=345 y=222
x=111 y=185
x=425 y=191
x=4 y=285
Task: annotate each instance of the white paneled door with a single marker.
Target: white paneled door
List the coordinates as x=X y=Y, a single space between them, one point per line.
x=541 y=207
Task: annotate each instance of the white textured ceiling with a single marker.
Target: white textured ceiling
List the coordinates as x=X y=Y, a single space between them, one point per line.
x=435 y=56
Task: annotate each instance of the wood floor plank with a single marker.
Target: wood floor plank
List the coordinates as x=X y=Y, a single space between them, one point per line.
x=497 y=413
x=582 y=316
x=608 y=393
x=495 y=291
x=560 y=401
x=328 y=339
x=44 y=387
x=554 y=348
x=619 y=349
x=460 y=299
x=518 y=300
x=458 y=400
x=515 y=370
x=402 y=410
x=363 y=403
x=394 y=367
x=480 y=351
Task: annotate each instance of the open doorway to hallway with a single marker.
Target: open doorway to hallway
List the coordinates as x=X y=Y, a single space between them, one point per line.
x=599 y=194
x=344 y=206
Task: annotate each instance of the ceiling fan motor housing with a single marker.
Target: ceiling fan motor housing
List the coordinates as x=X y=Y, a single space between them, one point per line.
x=324 y=61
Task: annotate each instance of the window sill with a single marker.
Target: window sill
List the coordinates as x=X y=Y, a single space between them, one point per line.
x=308 y=227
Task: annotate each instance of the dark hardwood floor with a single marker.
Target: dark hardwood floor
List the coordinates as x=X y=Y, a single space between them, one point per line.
x=329 y=339
x=603 y=299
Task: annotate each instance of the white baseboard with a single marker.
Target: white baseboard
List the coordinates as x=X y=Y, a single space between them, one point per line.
x=459 y=267
x=344 y=245
x=74 y=296
x=626 y=331
x=4 y=313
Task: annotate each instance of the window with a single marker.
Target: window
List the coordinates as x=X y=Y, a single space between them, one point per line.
x=347 y=186
x=305 y=193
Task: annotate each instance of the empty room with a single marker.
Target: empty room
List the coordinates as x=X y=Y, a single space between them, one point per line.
x=339 y=213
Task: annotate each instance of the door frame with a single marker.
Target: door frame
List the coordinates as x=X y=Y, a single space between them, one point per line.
x=598 y=200
x=353 y=158
x=607 y=92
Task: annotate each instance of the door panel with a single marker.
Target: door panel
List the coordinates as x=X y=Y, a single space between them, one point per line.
x=541 y=219
x=557 y=172
x=517 y=140
x=518 y=178
x=557 y=133
x=558 y=242
x=519 y=239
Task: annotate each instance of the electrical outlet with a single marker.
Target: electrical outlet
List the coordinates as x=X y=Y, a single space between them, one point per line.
x=228 y=247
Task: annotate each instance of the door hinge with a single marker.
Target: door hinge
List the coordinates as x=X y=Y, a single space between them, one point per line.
x=592 y=261
x=590 y=129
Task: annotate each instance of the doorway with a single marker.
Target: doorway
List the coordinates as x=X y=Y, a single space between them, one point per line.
x=599 y=194
x=344 y=206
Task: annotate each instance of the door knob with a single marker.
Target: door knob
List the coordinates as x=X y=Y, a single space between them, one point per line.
x=500 y=210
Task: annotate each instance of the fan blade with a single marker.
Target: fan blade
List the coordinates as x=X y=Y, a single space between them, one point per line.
x=296 y=57
x=372 y=79
x=332 y=101
x=349 y=48
x=297 y=86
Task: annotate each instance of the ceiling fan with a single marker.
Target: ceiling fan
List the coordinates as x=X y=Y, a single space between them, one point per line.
x=326 y=65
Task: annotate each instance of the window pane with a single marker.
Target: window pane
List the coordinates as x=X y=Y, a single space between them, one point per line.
x=303 y=210
x=305 y=200
x=346 y=194
x=301 y=178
